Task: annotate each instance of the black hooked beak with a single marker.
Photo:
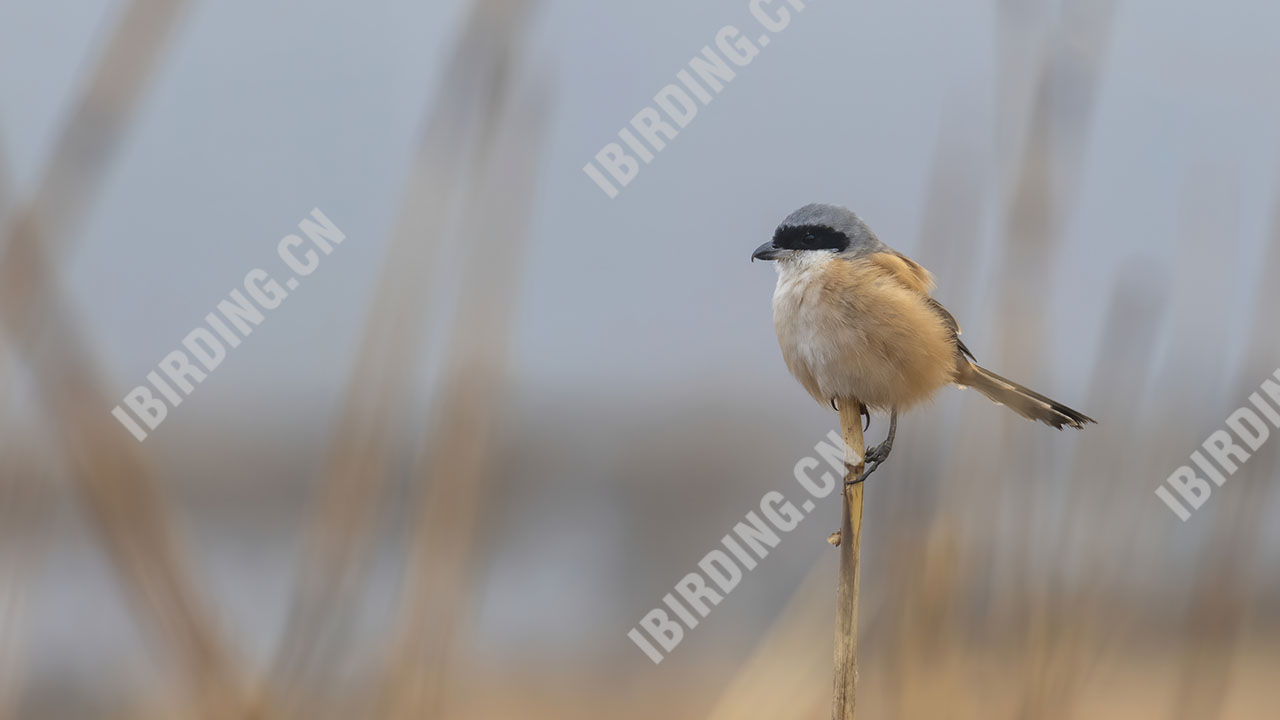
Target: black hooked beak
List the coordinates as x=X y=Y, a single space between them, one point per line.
x=766 y=251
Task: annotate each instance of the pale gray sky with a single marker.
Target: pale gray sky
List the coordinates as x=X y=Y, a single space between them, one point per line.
x=263 y=110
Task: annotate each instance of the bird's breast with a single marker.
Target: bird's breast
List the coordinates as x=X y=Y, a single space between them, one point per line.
x=812 y=333
x=848 y=331
x=800 y=317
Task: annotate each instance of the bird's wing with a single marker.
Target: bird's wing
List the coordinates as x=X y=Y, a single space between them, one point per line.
x=954 y=326
x=913 y=275
x=904 y=270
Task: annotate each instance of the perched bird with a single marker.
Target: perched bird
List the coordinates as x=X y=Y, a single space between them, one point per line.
x=856 y=323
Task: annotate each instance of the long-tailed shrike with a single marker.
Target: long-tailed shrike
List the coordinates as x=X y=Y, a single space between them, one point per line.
x=856 y=323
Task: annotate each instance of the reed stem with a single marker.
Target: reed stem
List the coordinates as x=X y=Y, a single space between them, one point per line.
x=846 y=640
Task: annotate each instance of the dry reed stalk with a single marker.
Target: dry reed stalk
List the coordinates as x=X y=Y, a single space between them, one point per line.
x=113 y=474
x=1068 y=653
x=1220 y=601
x=1048 y=177
x=1069 y=618
x=86 y=145
x=15 y=519
x=456 y=457
x=844 y=706
x=6 y=191
x=457 y=135
x=26 y=499
x=1043 y=188
x=25 y=508
x=1022 y=191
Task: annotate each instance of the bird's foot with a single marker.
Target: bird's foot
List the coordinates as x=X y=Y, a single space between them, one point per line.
x=870 y=467
x=876 y=456
x=849 y=471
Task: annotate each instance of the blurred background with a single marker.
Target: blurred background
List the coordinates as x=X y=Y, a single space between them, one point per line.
x=508 y=414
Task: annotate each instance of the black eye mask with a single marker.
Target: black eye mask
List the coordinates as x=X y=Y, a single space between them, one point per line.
x=810 y=237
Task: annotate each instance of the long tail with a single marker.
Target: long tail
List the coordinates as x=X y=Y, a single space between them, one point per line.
x=1024 y=401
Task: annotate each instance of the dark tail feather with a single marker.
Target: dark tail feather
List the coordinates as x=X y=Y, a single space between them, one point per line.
x=1026 y=402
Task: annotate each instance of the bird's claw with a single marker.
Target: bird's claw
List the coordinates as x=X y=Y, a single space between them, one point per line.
x=875 y=457
x=871 y=467
x=878 y=454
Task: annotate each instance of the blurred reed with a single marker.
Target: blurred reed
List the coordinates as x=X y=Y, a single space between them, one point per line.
x=1042 y=191
x=457 y=139
x=423 y=663
x=112 y=472
x=1223 y=587
x=25 y=509
x=120 y=488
